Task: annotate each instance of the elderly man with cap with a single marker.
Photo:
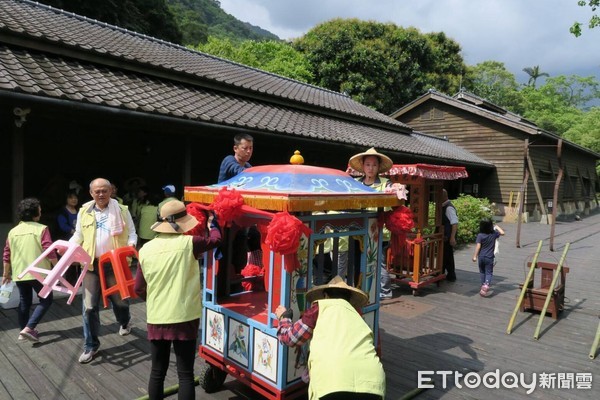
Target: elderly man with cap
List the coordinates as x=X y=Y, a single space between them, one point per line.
x=102 y=225
x=371 y=164
x=168 y=278
x=342 y=363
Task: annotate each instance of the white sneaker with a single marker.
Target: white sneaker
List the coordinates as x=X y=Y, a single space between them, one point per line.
x=87 y=356
x=484 y=290
x=125 y=330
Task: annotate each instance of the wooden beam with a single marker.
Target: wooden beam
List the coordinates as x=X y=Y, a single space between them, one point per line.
x=18 y=168
x=536 y=185
x=556 y=187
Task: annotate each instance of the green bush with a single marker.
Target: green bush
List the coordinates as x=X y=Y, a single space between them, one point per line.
x=470 y=211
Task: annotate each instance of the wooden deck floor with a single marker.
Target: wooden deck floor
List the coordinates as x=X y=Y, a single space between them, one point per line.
x=445 y=328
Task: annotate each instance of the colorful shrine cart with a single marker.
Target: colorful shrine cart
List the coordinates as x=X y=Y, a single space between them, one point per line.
x=420 y=262
x=333 y=229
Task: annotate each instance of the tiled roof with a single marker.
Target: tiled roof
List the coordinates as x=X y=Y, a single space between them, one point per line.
x=29 y=67
x=89 y=36
x=470 y=103
x=442 y=148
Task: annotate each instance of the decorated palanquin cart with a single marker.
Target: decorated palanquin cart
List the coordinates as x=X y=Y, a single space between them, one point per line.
x=419 y=262
x=286 y=228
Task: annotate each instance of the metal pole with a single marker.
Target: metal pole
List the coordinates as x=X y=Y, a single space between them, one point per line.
x=557 y=273
x=524 y=290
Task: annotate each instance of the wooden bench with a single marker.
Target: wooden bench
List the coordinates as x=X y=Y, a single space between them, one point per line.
x=535 y=297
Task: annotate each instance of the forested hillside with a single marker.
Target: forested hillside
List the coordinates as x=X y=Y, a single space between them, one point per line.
x=186 y=22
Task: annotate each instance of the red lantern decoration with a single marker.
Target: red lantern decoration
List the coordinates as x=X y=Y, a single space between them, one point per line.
x=399 y=222
x=227 y=205
x=283 y=236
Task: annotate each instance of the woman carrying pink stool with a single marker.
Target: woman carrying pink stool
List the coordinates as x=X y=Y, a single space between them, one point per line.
x=25 y=243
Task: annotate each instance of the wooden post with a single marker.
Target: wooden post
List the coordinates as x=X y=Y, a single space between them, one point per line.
x=536 y=185
x=557 y=273
x=524 y=290
x=555 y=197
x=18 y=168
x=521 y=194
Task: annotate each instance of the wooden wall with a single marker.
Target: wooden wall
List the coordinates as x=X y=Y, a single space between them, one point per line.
x=504 y=146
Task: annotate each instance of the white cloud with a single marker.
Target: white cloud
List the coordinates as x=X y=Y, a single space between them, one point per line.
x=519 y=33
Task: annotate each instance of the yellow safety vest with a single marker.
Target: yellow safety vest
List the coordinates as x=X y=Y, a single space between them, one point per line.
x=147 y=215
x=342 y=355
x=88 y=230
x=25 y=241
x=383 y=182
x=172 y=274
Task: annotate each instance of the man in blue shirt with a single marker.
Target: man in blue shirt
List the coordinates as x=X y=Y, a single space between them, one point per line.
x=236 y=163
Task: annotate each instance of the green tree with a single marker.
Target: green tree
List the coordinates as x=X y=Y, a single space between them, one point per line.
x=380 y=65
x=272 y=56
x=594 y=19
x=558 y=105
x=586 y=131
x=150 y=17
x=199 y=19
x=492 y=81
x=534 y=73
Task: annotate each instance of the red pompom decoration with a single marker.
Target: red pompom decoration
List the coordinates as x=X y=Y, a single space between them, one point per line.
x=227 y=205
x=283 y=236
x=250 y=270
x=399 y=222
x=197 y=211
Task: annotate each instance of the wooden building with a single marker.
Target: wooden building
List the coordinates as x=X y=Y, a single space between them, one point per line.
x=514 y=145
x=81 y=99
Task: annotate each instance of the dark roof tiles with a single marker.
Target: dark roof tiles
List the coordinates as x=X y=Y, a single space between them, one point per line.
x=76 y=32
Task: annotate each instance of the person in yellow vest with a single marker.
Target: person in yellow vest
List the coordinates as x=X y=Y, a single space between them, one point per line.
x=25 y=243
x=371 y=164
x=168 y=279
x=169 y=193
x=147 y=213
x=102 y=225
x=342 y=363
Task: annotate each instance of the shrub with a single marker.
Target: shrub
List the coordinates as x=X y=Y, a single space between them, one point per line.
x=471 y=211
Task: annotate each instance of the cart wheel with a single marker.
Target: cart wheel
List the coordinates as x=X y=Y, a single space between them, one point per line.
x=211 y=378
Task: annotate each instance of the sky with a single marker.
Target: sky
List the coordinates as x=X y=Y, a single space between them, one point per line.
x=519 y=33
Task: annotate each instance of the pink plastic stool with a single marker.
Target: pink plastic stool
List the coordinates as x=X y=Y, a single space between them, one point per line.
x=124 y=280
x=53 y=279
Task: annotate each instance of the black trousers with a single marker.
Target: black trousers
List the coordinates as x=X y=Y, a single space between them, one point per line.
x=185 y=352
x=449 y=261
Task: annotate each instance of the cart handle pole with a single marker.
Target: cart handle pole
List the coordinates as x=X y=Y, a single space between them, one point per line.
x=595 y=345
x=550 y=291
x=171 y=389
x=524 y=290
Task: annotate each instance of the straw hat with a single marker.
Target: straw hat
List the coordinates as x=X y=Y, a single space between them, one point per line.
x=174 y=218
x=356 y=161
x=358 y=298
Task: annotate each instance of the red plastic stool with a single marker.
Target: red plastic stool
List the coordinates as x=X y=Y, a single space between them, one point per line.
x=124 y=280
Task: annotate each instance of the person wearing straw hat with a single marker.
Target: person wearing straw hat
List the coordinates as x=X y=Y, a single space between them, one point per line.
x=342 y=363
x=371 y=163
x=168 y=279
